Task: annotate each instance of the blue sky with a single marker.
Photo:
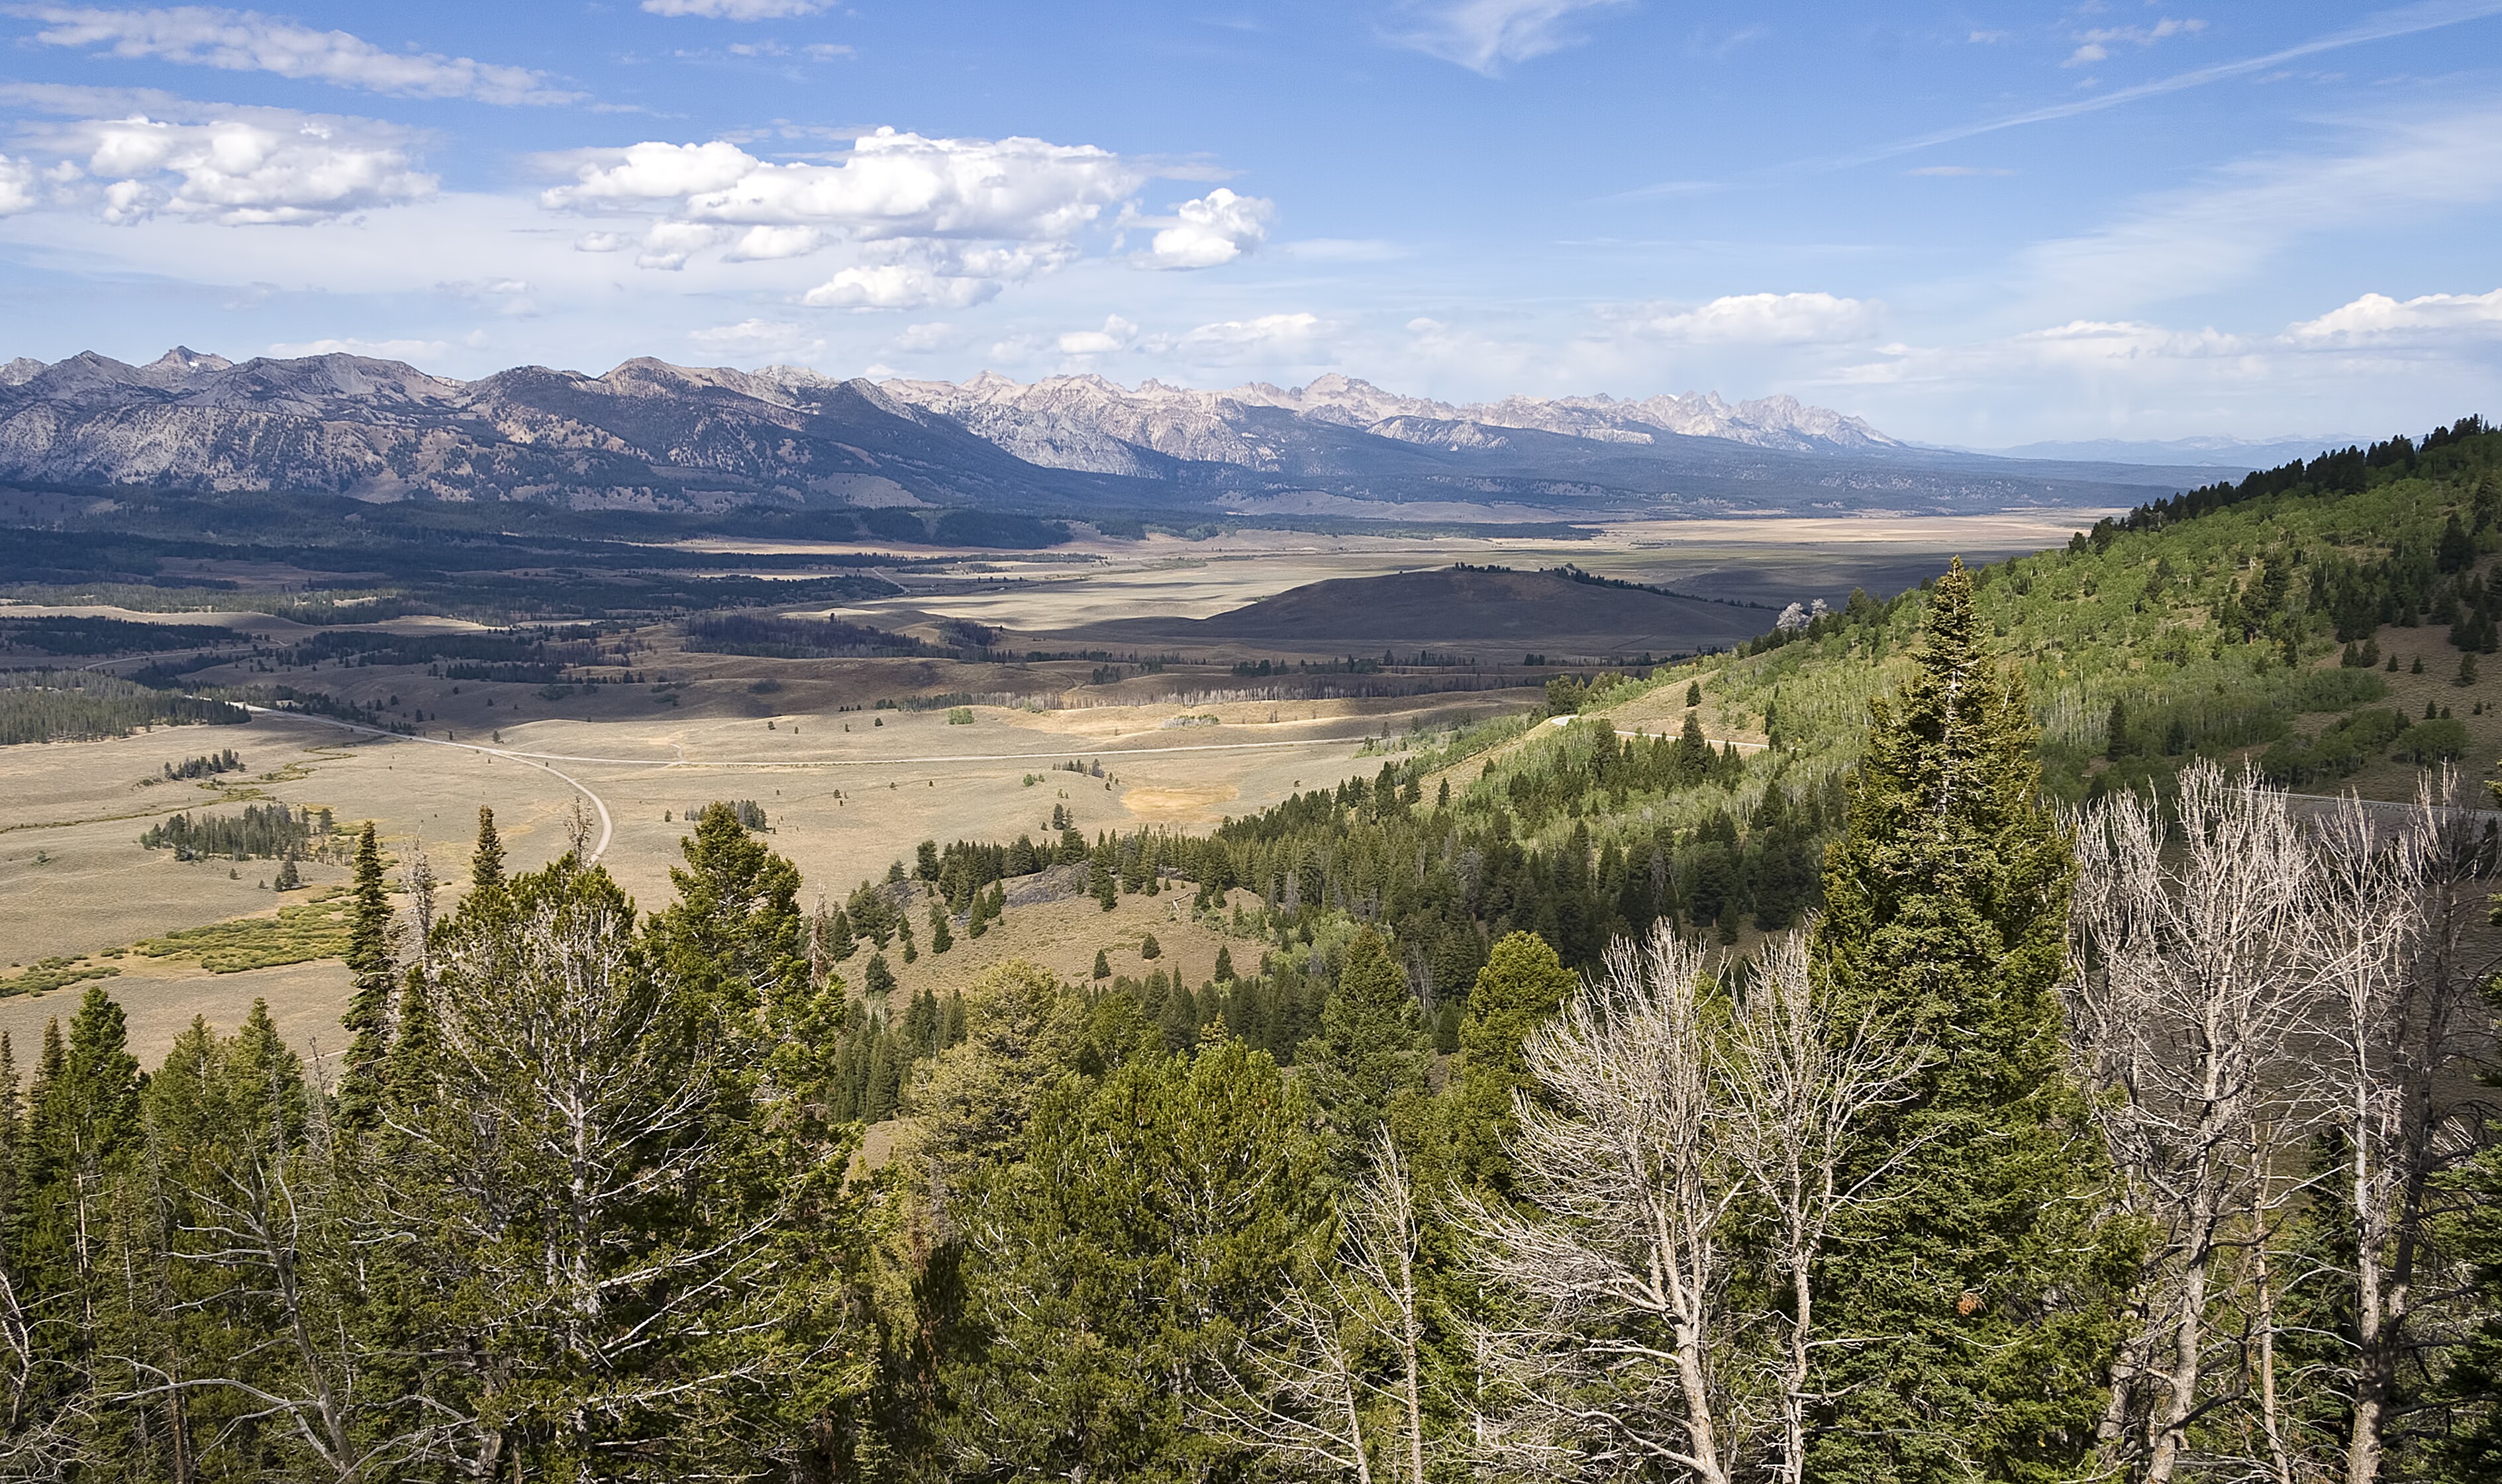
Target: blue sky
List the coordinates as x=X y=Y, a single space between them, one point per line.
x=1979 y=224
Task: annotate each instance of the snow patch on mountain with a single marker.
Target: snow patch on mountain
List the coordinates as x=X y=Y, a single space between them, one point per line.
x=1089 y=422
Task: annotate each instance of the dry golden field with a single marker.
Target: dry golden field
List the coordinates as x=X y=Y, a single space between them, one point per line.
x=846 y=789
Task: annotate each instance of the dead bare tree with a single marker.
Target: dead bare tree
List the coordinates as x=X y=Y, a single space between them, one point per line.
x=2188 y=992
x=1301 y=1394
x=422 y=885
x=1621 y=1355
x=1801 y=1087
x=2400 y=1010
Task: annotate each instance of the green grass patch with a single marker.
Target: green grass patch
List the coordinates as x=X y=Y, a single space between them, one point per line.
x=52 y=975
x=299 y=934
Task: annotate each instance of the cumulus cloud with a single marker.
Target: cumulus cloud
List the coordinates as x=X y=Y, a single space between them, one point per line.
x=890 y=184
x=1758 y=318
x=249 y=167
x=244 y=41
x=2377 y=318
x=926 y=221
x=1117 y=334
x=899 y=286
x=1485 y=36
x=736 y=10
x=2094 y=45
x=16 y=184
x=1213 y=230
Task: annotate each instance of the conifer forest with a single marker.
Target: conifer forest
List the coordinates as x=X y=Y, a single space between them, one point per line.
x=2026 y=1068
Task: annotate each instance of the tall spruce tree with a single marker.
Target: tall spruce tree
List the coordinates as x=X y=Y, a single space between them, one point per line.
x=369 y=1005
x=1521 y=985
x=1974 y=1291
x=487 y=860
x=1370 y=1056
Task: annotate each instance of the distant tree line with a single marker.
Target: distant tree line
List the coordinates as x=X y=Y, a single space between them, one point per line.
x=81 y=706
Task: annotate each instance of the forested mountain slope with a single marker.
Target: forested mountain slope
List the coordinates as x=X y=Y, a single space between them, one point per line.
x=2132 y=1143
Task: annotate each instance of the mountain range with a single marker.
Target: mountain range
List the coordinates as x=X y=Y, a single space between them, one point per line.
x=654 y=436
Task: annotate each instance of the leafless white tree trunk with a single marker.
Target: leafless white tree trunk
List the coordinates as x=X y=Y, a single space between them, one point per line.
x=1312 y=1371
x=1801 y=1086
x=1622 y=1354
x=2188 y=990
x=2399 y=1012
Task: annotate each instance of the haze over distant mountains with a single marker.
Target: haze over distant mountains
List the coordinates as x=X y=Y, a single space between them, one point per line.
x=2233 y=453
x=651 y=435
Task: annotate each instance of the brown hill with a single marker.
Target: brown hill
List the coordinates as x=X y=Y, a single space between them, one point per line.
x=1455 y=609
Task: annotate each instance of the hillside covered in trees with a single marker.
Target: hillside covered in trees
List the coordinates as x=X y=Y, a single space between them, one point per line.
x=1987 y=1080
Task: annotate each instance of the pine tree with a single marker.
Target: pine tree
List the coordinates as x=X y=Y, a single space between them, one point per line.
x=1974 y=1286
x=487 y=862
x=369 y=1005
x=1224 y=964
x=940 y=939
x=735 y=931
x=1522 y=984
x=1102 y=965
x=877 y=978
x=1693 y=692
x=1369 y=1055
x=1149 y=948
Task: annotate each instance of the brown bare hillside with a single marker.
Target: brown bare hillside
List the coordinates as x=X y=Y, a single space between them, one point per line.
x=1456 y=609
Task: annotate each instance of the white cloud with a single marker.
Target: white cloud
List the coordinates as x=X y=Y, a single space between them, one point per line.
x=669 y=243
x=244 y=41
x=765 y=244
x=2094 y=45
x=1213 y=230
x=935 y=335
x=1117 y=334
x=1269 y=332
x=654 y=171
x=16 y=184
x=898 y=285
x=1758 y=318
x=2377 y=318
x=250 y=167
x=736 y=10
x=602 y=242
x=2220 y=232
x=373 y=349
x=890 y=186
x=1485 y=36
x=752 y=338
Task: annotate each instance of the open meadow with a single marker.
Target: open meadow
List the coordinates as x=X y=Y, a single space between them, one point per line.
x=854 y=759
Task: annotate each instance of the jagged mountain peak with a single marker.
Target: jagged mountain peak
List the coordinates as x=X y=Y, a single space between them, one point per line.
x=1077 y=420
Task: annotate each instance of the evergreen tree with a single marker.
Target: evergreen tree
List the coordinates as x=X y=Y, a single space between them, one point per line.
x=1099 y=880
x=877 y=978
x=736 y=929
x=1102 y=965
x=1149 y=948
x=1974 y=1288
x=83 y=1137
x=369 y=1005
x=1369 y=1055
x=487 y=860
x=1522 y=984
x=940 y=939
x=1224 y=964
